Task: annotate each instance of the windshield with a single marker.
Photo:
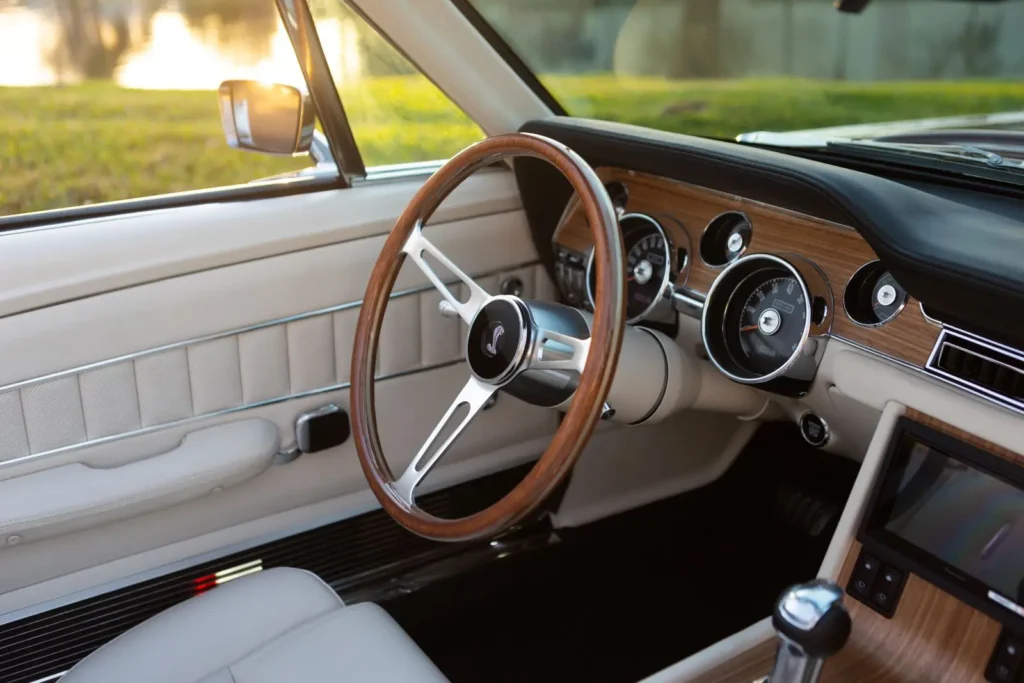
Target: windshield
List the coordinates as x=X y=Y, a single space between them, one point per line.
x=720 y=68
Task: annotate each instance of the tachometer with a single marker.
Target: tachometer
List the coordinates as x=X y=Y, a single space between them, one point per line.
x=648 y=266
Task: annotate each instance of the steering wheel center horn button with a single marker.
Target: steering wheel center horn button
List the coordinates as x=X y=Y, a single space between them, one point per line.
x=497 y=340
x=765 y=321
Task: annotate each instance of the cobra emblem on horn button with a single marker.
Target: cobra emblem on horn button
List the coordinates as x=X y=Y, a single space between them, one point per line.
x=495 y=331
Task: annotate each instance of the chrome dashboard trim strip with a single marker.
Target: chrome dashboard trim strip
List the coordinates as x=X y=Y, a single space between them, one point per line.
x=928 y=318
x=206 y=416
x=876 y=352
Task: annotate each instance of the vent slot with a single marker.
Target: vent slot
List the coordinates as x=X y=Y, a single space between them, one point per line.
x=990 y=370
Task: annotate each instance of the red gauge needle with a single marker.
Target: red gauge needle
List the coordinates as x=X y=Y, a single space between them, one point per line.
x=748 y=328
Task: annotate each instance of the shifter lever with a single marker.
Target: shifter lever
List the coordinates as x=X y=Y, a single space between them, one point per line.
x=812 y=624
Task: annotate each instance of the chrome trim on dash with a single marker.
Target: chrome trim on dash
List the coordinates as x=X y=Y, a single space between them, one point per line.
x=928 y=318
x=688 y=302
x=945 y=336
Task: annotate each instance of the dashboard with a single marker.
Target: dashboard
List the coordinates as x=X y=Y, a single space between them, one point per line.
x=771 y=280
x=911 y=278
x=776 y=255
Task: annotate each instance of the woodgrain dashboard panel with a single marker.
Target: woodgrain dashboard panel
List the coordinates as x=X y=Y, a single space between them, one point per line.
x=838 y=251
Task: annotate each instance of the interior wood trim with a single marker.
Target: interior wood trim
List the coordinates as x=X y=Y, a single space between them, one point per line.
x=837 y=250
x=606 y=335
x=973 y=439
x=932 y=637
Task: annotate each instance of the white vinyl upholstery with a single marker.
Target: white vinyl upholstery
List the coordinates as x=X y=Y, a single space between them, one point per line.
x=232 y=370
x=277 y=626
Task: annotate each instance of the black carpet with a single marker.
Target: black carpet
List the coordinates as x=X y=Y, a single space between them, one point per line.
x=624 y=597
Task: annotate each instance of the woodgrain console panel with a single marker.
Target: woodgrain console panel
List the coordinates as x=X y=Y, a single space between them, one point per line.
x=933 y=637
x=838 y=251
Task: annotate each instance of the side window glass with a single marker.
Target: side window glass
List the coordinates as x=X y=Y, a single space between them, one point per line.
x=103 y=100
x=396 y=113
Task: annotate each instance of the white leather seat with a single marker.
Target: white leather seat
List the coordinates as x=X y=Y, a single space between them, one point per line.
x=277 y=626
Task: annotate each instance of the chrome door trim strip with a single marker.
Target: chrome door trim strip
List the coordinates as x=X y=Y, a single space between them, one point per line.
x=241 y=330
x=206 y=416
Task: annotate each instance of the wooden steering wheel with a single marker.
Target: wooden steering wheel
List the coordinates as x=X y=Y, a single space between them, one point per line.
x=504 y=341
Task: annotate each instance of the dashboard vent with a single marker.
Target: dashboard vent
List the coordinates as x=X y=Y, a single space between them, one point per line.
x=982 y=367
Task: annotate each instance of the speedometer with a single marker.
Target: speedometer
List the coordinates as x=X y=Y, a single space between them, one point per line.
x=763 y=320
x=771 y=323
x=648 y=266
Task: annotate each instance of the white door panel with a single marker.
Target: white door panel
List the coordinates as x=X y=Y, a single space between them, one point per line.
x=118 y=378
x=43 y=266
x=507 y=434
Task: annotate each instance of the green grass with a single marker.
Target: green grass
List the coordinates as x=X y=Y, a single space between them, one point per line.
x=66 y=146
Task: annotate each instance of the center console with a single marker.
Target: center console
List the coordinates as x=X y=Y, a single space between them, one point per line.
x=951 y=513
x=930 y=556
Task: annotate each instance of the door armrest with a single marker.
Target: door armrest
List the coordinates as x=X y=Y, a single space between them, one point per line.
x=77 y=496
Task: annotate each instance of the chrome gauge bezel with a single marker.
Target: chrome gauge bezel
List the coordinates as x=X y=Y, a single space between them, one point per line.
x=720 y=298
x=664 y=290
x=705 y=236
x=857 y=274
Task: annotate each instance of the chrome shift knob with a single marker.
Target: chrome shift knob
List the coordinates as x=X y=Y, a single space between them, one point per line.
x=812 y=624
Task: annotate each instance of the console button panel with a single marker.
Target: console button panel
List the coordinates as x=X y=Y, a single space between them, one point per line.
x=877 y=584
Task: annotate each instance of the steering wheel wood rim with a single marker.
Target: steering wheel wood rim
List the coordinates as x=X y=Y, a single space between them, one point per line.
x=595 y=379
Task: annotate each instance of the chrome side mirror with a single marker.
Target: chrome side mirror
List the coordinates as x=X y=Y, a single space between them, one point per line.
x=266 y=117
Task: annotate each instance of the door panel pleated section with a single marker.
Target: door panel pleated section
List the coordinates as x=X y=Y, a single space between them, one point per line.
x=272 y=361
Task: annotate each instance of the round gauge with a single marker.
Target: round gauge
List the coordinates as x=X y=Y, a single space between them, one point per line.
x=725 y=238
x=873 y=297
x=887 y=297
x=757 y=317
x=771 y=323
x=648 y=265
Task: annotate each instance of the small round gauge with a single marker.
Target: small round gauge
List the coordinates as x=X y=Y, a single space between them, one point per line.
x=887 y=297
x=873 y=296
x=757 y=318
x=648 y=265
x=725 y=238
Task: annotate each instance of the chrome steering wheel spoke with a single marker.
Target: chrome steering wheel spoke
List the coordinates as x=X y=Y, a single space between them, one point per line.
x=474 y=396
x=557 y=351
x=416 y=246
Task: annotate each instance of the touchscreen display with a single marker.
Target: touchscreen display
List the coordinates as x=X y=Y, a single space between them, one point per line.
x=965 y=517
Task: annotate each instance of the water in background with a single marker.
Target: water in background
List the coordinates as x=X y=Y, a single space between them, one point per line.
x=195 y=44
x=189 y=44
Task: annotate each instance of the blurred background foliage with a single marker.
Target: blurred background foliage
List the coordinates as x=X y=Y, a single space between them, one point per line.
x=103 y=114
